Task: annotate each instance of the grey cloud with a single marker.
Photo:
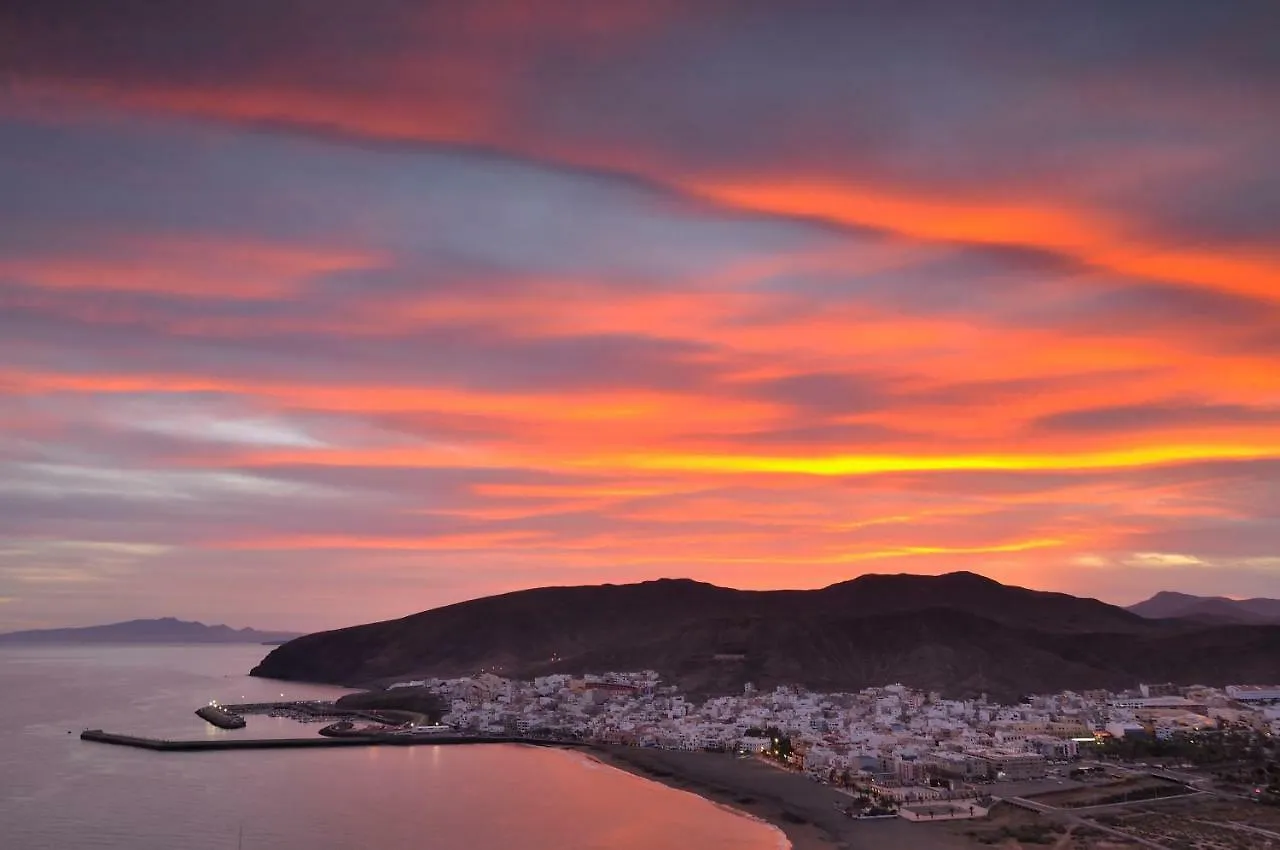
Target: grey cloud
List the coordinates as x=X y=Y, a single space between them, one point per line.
x=1140 y=417
x=216 y=519
x=437 y=485
x=847 y=436
x=479 y=357
x=1076 y=97
x=423 y=208
x=825 y=393
x=955 y=278
x=1210 y=539
x=142 y=41
x=1126 y=306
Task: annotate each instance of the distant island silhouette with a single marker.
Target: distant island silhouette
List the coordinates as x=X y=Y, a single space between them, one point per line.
x=162 y=630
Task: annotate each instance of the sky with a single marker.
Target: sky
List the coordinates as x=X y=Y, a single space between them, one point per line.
x=314 y=313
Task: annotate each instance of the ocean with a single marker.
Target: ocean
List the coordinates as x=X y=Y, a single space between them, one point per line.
x=60 y=793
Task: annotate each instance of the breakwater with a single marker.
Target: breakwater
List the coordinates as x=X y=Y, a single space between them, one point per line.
x=220 y=717
x=159 y=744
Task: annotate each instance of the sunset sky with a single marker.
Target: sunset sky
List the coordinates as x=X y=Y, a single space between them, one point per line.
x=319 y=312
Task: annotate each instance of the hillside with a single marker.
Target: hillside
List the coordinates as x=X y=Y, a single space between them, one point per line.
x=1168 y=604
x=958 y=633
x=163 y=630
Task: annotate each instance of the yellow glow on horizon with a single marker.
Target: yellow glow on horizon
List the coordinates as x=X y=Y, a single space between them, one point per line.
x=875 y=555
x=879 y=464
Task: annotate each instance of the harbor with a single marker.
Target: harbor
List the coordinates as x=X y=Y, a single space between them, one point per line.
x=384 y=739
x=342 y=722
x=346 y=728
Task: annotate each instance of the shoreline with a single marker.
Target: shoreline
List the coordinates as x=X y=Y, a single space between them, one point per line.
x=808 y=814
x=800 y=836
x=803 y=810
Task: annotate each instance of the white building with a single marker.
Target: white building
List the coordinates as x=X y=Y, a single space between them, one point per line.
x=1254 y=693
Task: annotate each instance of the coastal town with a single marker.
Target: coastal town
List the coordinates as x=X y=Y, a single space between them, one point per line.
x=895 y=750
x=895 y=734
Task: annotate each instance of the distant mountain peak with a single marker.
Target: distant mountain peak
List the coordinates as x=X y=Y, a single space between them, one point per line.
x=959 y=633
x=1171 y=604
x=969 y=575
x=959 y=577
x=1172 y=595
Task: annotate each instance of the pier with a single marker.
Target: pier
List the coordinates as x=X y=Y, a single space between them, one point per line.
x=392 y=740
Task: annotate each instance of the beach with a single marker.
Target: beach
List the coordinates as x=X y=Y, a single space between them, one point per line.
x=804 y=810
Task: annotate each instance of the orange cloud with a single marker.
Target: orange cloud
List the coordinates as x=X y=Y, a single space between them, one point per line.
x=478 y=112
x=930 y=455
x=443 y=542
x=1085 y=237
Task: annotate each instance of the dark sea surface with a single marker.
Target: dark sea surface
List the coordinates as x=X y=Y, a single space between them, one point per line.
x=60 y=793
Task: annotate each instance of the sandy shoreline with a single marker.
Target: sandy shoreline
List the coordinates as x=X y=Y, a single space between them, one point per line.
x=804 y=810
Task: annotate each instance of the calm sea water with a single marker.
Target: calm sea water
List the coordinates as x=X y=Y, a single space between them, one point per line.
x=60 y=793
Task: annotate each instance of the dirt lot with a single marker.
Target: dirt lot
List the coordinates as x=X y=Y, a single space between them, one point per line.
x=1254 y=814
x=1202 y=824
x=1011 y=828
x=1136 y=788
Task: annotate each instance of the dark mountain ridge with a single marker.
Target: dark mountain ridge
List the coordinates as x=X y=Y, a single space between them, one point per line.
x=163 y=630
x=1168 y=604
x=959 y=633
